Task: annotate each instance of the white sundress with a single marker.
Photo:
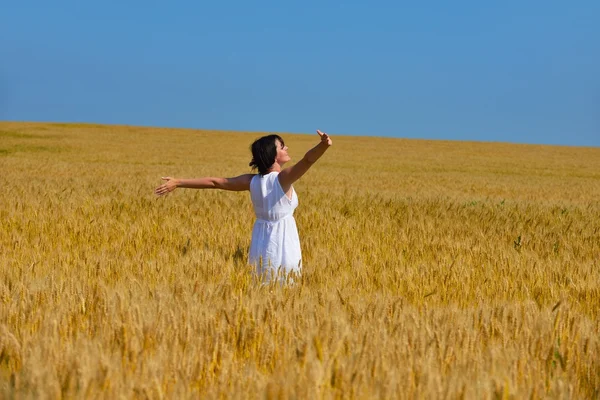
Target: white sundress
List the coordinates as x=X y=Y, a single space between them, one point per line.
x=275 y=246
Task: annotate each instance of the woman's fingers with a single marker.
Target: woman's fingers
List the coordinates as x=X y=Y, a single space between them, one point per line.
x=324 y=137
x=162 y=189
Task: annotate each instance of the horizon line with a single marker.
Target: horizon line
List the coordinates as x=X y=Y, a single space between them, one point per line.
x=361 y=135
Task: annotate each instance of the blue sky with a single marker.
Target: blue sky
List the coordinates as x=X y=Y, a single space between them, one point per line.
x=511 y=71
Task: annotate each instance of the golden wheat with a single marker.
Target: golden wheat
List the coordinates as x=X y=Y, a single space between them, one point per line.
x=432 y=269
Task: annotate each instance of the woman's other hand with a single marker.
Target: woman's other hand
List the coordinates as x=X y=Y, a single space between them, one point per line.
x=325 y=138
x=167 y=187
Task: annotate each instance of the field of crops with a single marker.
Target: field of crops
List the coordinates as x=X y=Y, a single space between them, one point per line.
x=432 y=269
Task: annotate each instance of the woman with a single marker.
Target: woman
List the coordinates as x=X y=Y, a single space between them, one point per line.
x=275 y=247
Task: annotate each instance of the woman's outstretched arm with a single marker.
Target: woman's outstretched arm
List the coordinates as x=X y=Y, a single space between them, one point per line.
x=290 y=175
x=236 y=184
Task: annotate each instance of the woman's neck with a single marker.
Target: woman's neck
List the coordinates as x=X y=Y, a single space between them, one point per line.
x=275 y=168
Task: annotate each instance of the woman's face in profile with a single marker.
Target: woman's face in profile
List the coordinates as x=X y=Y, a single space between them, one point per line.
x=282 y=153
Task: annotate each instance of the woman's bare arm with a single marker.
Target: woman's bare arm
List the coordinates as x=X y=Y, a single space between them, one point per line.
x=290 y=175
x=236 y=184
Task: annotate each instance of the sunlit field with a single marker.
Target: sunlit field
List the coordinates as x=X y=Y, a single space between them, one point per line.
x=432 y=269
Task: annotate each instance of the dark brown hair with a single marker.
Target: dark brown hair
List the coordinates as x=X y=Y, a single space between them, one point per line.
x=264 y=152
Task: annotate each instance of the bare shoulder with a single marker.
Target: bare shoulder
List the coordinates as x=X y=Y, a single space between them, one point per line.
x=291 y=174
x=238 y=183
x=246 y=177
x=245 y=180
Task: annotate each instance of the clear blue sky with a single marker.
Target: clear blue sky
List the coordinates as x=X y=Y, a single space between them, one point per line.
x=514 y=71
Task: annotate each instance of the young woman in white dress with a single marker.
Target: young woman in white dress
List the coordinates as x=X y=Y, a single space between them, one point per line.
x=275 y=247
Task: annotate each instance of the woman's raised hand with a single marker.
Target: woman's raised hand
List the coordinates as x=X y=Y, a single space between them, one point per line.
x=167 y=187
x=325 y=138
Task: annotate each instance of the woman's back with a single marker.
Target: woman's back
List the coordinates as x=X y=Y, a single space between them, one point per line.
x=269 y=200
x=275 y=247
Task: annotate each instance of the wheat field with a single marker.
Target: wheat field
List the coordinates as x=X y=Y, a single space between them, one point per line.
x=432 y=269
